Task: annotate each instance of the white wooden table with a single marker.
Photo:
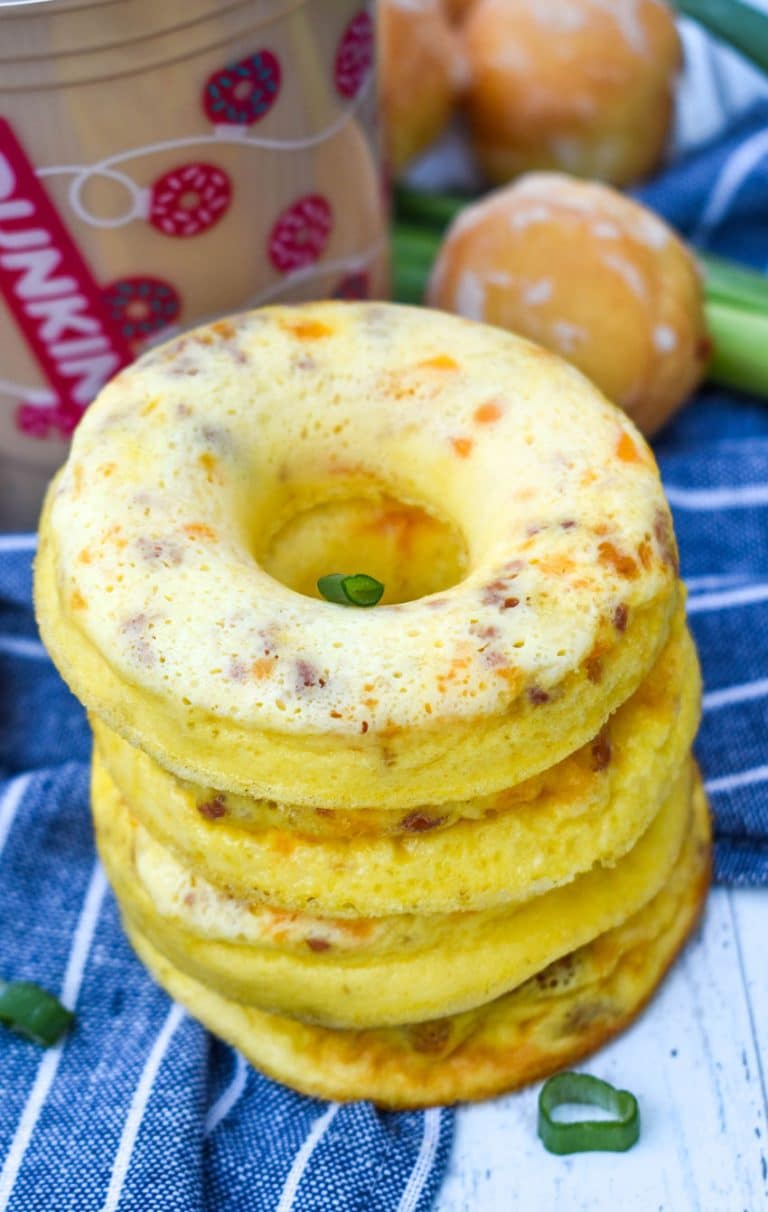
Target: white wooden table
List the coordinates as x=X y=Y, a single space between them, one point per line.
x=697 y=1060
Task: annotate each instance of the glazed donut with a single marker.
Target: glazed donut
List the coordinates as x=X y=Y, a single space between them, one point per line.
x=141 y=306
x=189 y=199
x=577 y=85
x=422 y=73
x=591 y=275
x=244 y=92
x=216 y=478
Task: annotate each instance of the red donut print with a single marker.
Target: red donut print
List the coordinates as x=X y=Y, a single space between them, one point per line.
x=140 y=307
x=353 y=286
x=189 y=199
x=243 y=93
x=300 y=234
x=354 y=55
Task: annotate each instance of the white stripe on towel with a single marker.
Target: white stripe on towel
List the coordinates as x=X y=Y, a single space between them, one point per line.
x=46 y=1070
x=18 y=646
x=715 y=582
x=141 y=1095
x=733 y=174
x=227 y=1099
x=18 y=542
x=9 y=804
x=301 y=1160
x=741 y=496
x=747 y=595
x=424 y=1162
x=735 y=694
x=745 y=778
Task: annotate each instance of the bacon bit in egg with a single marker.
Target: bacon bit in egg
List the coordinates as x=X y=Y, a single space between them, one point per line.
x=164 y=550
x=307 y=675
x=537 y=696
x=601 y=750
x=594 y=668
x=318 y=944
x=626 y=449
x=440 y=362
x=420 y=822
x=432 y=1036
x=665 y=538
x=645 y=554
x=199 y=530
x=623 y=564
x=485 y=414
x=462 y=446
x=335 y=715
x=213 y=809
x=364 y=727
x=621 y=616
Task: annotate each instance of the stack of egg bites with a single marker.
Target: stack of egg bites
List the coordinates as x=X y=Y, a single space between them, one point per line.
x=417 y=853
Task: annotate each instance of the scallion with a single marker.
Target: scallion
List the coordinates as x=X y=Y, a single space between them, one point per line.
x=589 y=1135
x=33 y=1012
x=357 y=589
x=740 y=25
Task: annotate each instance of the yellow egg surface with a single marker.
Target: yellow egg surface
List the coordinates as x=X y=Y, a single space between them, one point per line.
x=212 y=459
x=557 y=1017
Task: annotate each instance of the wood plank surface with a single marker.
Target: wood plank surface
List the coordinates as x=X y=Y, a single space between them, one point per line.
x=697 y=1061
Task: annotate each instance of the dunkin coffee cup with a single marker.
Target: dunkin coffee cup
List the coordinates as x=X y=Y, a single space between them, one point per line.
x=163 y=162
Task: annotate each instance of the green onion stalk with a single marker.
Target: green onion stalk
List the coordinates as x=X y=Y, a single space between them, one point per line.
x=735 y=298
x=741 y=25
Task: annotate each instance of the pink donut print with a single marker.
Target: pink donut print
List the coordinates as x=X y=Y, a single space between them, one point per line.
x=189 y=199
x=354 y=55
x=356 y=285
x=243 y=93
x=39 y=421
x=141 y=306
x=300 y=234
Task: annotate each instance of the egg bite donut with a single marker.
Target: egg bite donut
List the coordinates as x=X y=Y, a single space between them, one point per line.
x=578 y=85
x=209 y=457
x=422 y=72
x=589 y=274
x=589 y=809
x=560 y=1015
x=391 y=970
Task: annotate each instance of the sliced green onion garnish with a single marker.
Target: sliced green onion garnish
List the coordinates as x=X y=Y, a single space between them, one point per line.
x=590 y=1135
x=741 y=25
x=727 y=282
x=356 y=590
x=740 y=339
x=33 y=1012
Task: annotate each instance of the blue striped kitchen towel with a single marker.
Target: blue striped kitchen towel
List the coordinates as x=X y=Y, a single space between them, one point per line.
x=140 y=1109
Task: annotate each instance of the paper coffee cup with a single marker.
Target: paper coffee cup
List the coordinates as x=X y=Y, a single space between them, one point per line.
x=162 y=163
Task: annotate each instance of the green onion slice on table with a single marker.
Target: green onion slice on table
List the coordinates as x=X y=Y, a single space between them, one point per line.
x=33 y=1012
x=589 y=1135
x=357 y=589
